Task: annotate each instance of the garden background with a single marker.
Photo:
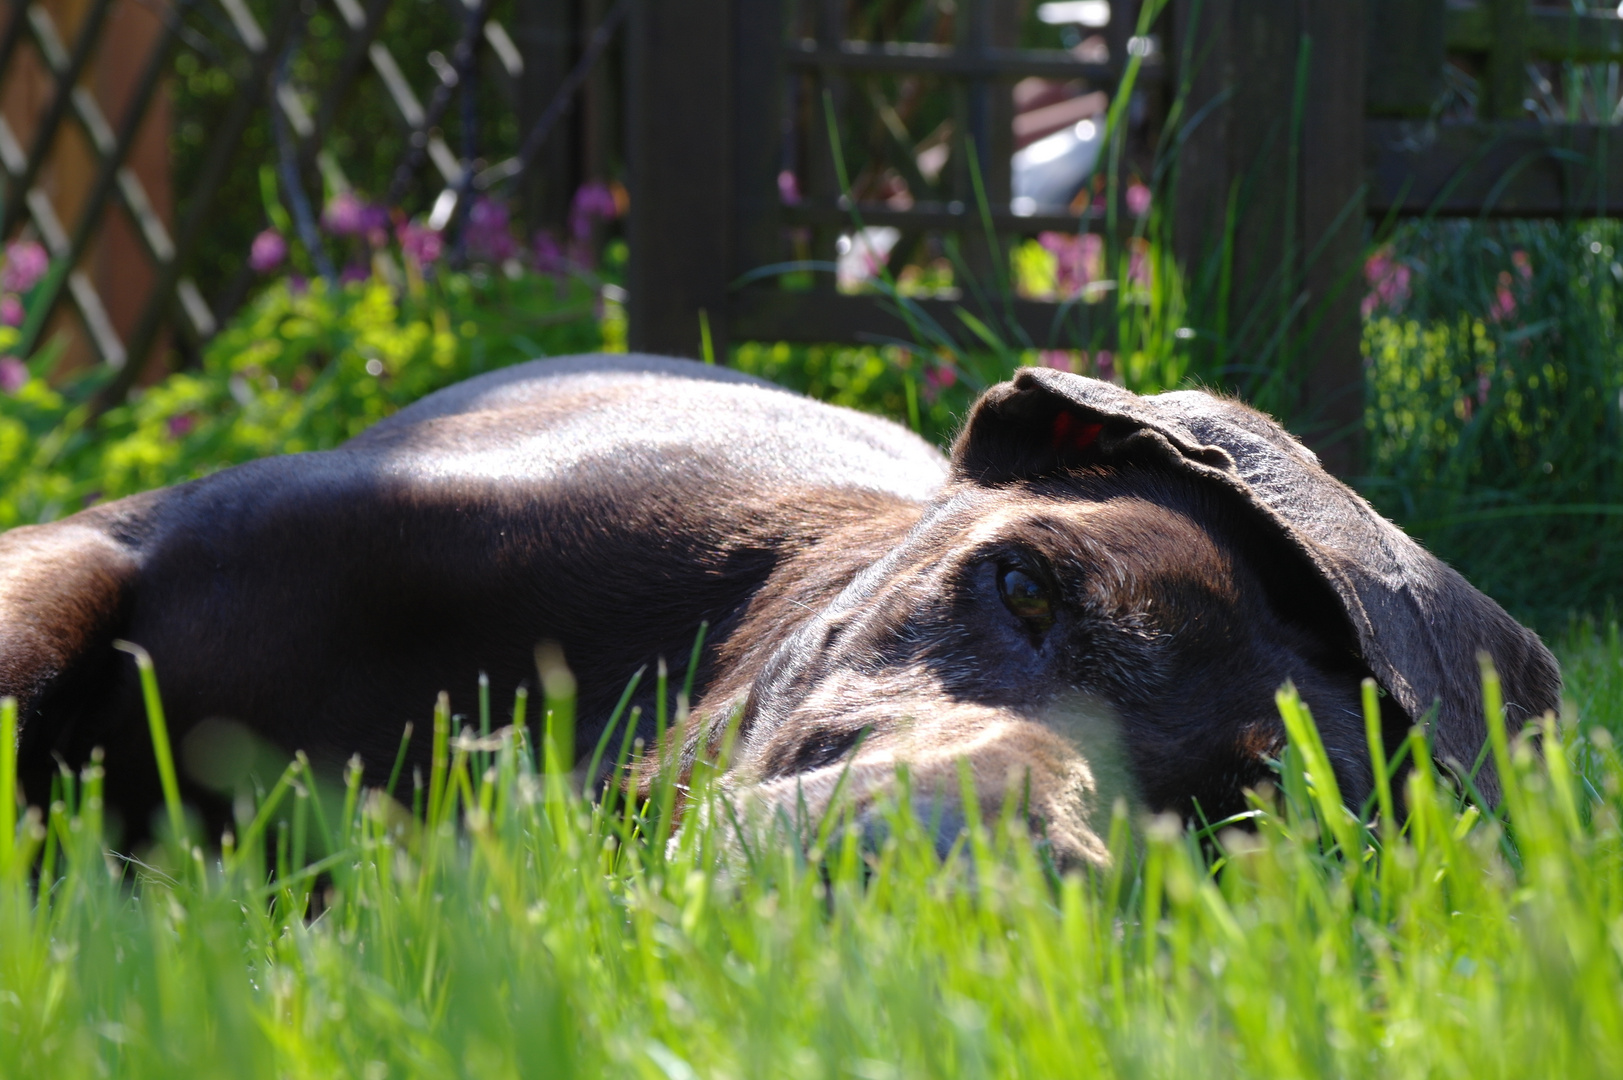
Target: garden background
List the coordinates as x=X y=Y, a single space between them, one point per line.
x=520 y=930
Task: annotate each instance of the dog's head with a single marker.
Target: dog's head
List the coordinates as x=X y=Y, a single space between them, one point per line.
x=1102 y=603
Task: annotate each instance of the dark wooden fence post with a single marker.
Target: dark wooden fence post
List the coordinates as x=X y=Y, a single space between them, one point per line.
x=1275 y=172
x=680 y=123
x=545 y=31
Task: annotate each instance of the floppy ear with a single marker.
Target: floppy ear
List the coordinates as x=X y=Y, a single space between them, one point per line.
x=1420 y=625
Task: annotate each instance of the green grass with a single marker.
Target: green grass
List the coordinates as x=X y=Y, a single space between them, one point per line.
x=520 y=930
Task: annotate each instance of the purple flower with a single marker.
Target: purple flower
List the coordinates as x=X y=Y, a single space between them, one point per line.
x=26 y=263
x=489 y=238
x=267 y=252
x=347 y=214
x=549 y=257
x=181 y=425
x=1104 y=365
x=354 y=272
x=788 y=188
x=593 y=202
x=1138 y=199
x=11 y=310
x=13 y=374
x=419 y=243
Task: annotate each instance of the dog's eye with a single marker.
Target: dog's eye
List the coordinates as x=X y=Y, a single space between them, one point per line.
x=1026 y=597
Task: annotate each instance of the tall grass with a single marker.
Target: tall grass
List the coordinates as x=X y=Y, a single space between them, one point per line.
x=519 y=929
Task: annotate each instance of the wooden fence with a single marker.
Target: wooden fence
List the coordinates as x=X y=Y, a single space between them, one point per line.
x=69 y=143
x=1274 y=129
x=1270 y=101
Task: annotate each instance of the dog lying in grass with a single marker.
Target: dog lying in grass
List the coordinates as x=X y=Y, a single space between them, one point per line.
x=1095 y=598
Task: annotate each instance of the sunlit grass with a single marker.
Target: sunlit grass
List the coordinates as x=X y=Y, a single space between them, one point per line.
x=521 y=930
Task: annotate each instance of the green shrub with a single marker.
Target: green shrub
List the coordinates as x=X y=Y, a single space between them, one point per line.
x=301 y=369
x=1495 y=408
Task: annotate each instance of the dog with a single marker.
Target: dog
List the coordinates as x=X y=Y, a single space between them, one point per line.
x=1095 y=598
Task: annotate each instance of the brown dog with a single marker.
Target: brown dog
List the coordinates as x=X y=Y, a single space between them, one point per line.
x=1097 y=596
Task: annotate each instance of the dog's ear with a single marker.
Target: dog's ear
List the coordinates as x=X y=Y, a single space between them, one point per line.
x=1420 y=626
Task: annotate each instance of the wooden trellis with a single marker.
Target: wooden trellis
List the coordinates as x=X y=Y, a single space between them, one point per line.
x=1346 y=87
x=259 y=82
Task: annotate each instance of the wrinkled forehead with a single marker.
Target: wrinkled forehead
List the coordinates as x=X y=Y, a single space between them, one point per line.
x=1138 y=523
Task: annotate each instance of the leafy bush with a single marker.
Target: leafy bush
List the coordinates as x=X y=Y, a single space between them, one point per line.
x=304 y=368
x=1495 y=408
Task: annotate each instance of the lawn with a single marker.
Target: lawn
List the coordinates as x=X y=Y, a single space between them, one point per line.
x=521 y=930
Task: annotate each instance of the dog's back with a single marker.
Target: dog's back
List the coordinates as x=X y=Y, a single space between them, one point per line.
x=324 y=599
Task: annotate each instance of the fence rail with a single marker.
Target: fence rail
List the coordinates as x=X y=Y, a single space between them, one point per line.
x=1249 y=78
x=727 y=110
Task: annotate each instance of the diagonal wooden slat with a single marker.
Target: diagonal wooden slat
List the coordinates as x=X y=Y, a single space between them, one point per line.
x=252 y=92
x=132 y=194
x=112 y=173
x=67 y=68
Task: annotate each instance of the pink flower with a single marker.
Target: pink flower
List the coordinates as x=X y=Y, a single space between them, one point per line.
x=937 y=378
x=1138 y=264
x=593 y=202
x=419 y=243
x=1059 y=359
x=1523 y=265
x=1079 y=260
x=788 y=188
x=1504 y=301
x=353 y=273
x=26 y=263
x=1483 y=382
x=489 y=238
x=13 y=374
x=11 y=310
x=1104 y=365
x=181 y=425
x=267 y=252
x=1388 y=280
x=347 y=214
x=1138 y=199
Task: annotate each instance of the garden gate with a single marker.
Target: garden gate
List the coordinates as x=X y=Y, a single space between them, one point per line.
x=1248 y=96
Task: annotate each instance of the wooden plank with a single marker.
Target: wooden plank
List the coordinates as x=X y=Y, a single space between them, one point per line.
x=680 y=127
x=952 y=216
x=1004 y=64
x=1504 y=83
x=1404 y=63
x=546 y=32
x=776 y=315
x=251 y=93
x=1590 y=37
x=758 y=80
x=1202 y=47
x=1330 y=351
x=1513 y=169
x=1267 y=216
x=102 y=188
x=67 y=69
